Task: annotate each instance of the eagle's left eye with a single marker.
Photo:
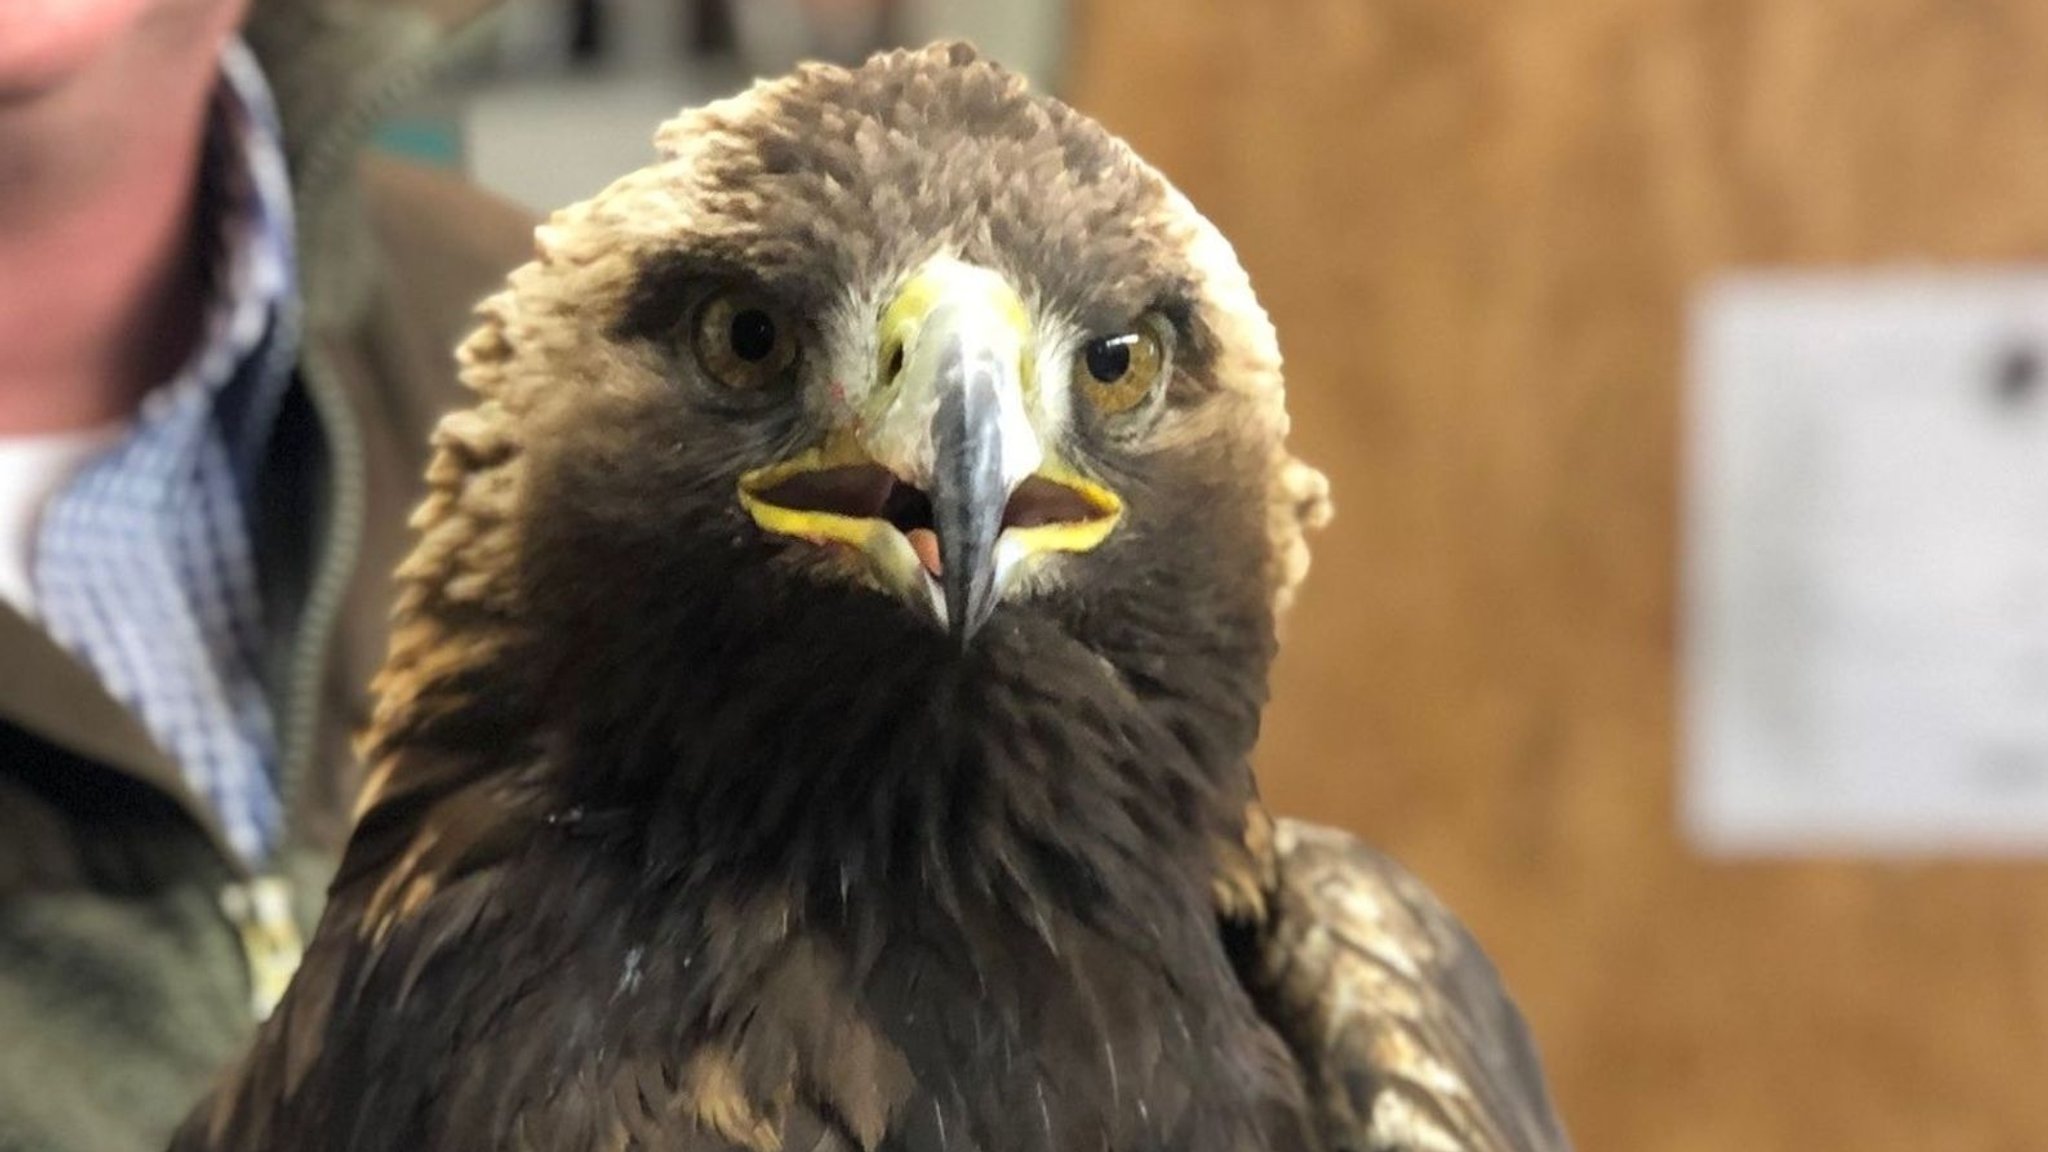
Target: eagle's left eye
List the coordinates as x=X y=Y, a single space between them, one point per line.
x=1119 y=371
x=743 y=341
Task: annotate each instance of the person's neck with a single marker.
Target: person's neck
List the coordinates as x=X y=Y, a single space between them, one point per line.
x=103 y=292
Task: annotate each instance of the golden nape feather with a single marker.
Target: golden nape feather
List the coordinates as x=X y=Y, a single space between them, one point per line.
x=821 y=700
x=1402 y=1026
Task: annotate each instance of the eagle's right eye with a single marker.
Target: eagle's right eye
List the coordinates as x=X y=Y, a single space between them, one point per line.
x=743 y=342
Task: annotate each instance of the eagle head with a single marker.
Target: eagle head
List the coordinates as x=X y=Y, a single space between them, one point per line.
x=882 y=386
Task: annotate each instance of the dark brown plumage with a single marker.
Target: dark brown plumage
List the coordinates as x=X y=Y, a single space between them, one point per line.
x=710 y=822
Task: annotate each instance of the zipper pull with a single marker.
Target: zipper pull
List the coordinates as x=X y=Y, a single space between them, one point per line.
x=261 y=911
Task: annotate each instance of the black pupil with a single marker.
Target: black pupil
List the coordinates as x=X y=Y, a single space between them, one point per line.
x=1109 y=358
x=753 y=335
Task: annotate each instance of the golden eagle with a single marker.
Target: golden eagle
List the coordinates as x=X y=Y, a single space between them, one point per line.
x=822 y=694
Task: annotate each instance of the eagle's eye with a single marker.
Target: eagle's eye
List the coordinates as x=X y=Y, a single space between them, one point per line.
x=1119 y=371
x=743 y=342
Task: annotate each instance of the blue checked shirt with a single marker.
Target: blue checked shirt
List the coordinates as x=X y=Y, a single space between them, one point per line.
x=142 y=563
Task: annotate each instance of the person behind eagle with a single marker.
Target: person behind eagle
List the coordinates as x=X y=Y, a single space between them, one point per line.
x=225 y=336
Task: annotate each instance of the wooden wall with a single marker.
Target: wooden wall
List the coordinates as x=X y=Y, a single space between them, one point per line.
x=1477 y=223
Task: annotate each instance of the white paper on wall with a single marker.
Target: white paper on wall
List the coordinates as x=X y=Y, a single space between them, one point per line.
x=1865 y=648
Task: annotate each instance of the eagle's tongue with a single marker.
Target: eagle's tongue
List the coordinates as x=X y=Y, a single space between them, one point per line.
x=925 y=543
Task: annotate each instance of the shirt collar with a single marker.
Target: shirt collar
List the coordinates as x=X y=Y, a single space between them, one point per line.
x=246 y=115
x=240 y=364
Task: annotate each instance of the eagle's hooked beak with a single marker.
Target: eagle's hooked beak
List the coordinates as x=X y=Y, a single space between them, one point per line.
x=968 y=379
x=942 y=482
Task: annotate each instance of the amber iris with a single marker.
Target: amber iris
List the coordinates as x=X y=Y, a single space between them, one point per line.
x=743 y=342
x=1118 y=372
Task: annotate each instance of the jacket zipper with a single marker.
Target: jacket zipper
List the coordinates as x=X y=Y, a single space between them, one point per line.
x=338 y=551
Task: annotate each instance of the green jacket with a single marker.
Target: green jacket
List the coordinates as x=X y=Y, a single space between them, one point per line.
x=130 y=940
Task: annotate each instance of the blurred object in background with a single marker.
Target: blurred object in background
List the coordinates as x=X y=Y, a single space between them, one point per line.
x=774 y=35
x=1866 y=607
x=573 y=89
x=574 y=92
x=1028 y=36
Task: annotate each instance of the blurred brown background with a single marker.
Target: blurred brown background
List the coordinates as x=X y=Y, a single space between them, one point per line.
x=1476 y=226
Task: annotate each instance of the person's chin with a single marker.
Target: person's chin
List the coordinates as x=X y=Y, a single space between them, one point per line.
x=45 y=42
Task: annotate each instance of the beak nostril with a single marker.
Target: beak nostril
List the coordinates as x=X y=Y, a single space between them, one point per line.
x=894 y=367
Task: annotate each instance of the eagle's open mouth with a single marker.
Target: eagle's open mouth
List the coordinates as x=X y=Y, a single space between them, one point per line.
x=872 y=492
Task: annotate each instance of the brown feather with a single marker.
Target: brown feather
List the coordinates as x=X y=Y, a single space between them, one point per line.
x=1398 y=1018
